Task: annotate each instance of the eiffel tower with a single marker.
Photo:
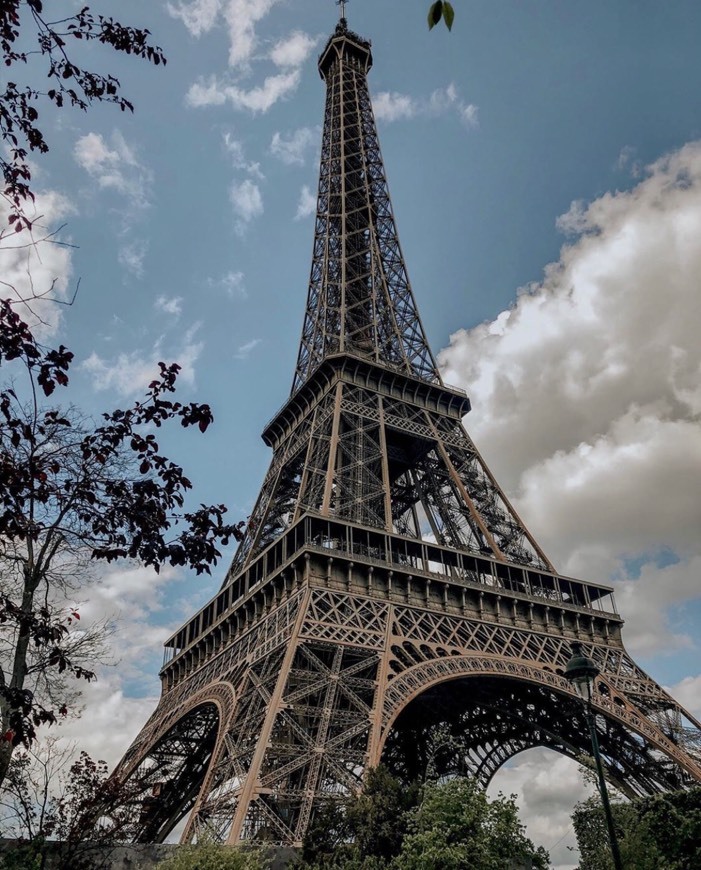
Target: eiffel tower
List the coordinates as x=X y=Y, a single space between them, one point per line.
x=387 y=603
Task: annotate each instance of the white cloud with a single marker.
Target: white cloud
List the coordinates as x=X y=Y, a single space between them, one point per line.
x=688 y=693
x=132 y=256
x=586 y=397
x=233 y=284
x=244 y=350
x=651 y=601
x=247 y=202
x=625 y=156
x=469 y=114
x=546 y=786
x=574 y=220
x=172 y=305
x=240 y=17
x=37 y=262
x=115 y=168
x=307 y=203
x=234 y=148
x=210 y=93
x=392 y=106
x=260 y=98
x=445 y=100
x=293 y=50
x=91 y=152
x=126 y=597
x=111 y=719
x=291 y=149
x=130 y=373
x=199 y=16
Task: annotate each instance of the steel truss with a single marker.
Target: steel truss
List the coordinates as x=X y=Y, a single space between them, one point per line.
x=387 y=602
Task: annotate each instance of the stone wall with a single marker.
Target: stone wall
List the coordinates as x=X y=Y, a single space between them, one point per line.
x=133 y=857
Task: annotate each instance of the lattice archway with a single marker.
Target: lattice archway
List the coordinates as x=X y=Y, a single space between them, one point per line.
x=178 y=757
x=470 y=714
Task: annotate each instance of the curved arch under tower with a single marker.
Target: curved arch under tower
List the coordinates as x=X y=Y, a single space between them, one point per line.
x=473 y=724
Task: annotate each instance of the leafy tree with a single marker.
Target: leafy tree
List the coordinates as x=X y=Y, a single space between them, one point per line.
x=674 y=824
x=69 y=84
x=327 y=835
x=364 y=831
x=447 y=826
x=657 y=833
x=70 y=491
x=208 y=855
x=593 y=837
x=456 y=827
x=55 y=810
x=375 y=815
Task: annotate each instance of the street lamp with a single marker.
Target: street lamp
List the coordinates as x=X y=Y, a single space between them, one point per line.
x=581 y=671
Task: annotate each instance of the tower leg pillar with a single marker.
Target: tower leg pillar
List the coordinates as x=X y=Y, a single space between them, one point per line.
x=251 y=784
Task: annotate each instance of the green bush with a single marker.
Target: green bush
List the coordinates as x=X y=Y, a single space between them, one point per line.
x=655 y=833
x=208 y=855
x=457 y=827
x=451 y=826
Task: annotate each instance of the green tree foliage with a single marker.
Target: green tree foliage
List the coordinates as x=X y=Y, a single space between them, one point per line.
x=207 y=855
x=447 y=826
x=456 y=827
x=656 y=833
x=364 y=831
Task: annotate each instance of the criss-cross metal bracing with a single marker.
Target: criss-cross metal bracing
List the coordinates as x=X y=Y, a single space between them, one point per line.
x=387 y=603
x=360 y=300
x=366 y=444
x=370 y=433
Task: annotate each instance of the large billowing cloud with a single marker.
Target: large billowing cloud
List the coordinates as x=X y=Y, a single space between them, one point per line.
x=586 y=404
x=546 y=787
x=125 y=599
x=587 y=396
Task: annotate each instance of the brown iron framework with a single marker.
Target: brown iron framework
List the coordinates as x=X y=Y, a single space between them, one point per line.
x=387 y=602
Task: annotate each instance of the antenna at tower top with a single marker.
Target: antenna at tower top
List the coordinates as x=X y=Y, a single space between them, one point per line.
x=342 y=8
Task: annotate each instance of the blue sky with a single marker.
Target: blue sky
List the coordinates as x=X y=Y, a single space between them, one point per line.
x=545 y=168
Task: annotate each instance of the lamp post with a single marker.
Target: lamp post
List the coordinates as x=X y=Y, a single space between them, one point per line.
x=581 y=672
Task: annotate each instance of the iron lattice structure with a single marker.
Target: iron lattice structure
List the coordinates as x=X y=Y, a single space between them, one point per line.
x=387 y=602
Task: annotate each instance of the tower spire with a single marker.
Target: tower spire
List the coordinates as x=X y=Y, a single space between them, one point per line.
x=360 y=300
x=342 y=10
